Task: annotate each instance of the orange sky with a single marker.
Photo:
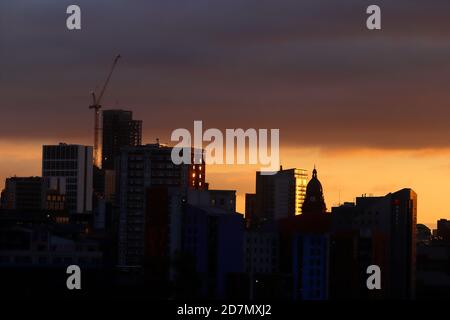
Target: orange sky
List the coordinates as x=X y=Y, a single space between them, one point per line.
x=344 y=174
x=370 y=109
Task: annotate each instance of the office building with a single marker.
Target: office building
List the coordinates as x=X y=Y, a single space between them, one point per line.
x=139 y=170
x=74 y=164
x=119 y=130
x=381 y=231
x=280 y=195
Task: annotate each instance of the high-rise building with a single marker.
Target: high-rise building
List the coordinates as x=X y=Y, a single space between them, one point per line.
x=380 y=231
x=119 y=130
x=140 y=169
x=74 y=163
x=280 y=195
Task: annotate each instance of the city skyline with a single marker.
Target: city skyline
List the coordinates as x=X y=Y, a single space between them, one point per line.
x=372 y=115
x=263 y=151
x=225 y=177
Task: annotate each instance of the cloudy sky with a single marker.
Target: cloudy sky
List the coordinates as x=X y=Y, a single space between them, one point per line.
x=369 y=108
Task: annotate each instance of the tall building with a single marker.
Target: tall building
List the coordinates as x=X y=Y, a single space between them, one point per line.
x=280 y=195
x=381 y=231
x=305 y=245
x=140 y=169
x=119 y=130
x=74 y=163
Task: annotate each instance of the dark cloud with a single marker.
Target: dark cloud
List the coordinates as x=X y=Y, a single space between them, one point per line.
x=307 y=67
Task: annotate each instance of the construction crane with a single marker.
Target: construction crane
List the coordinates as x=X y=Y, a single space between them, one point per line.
x=96 y=105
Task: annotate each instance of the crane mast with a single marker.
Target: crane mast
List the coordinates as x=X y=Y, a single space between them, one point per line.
x=96 y=105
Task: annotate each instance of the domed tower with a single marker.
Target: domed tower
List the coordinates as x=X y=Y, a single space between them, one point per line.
x=314 y=202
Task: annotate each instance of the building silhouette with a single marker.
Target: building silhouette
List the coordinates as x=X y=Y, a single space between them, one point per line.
x=139 y=170
x=314 y=202
x=119 y=130
x=380 y=231
x=280 y=195
x=433 y=263
x=305 y=244
x=74 y=164
x=443 y=229
x=24 y=193
x=213 y=238
x=424 y=234
x=221 y=199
